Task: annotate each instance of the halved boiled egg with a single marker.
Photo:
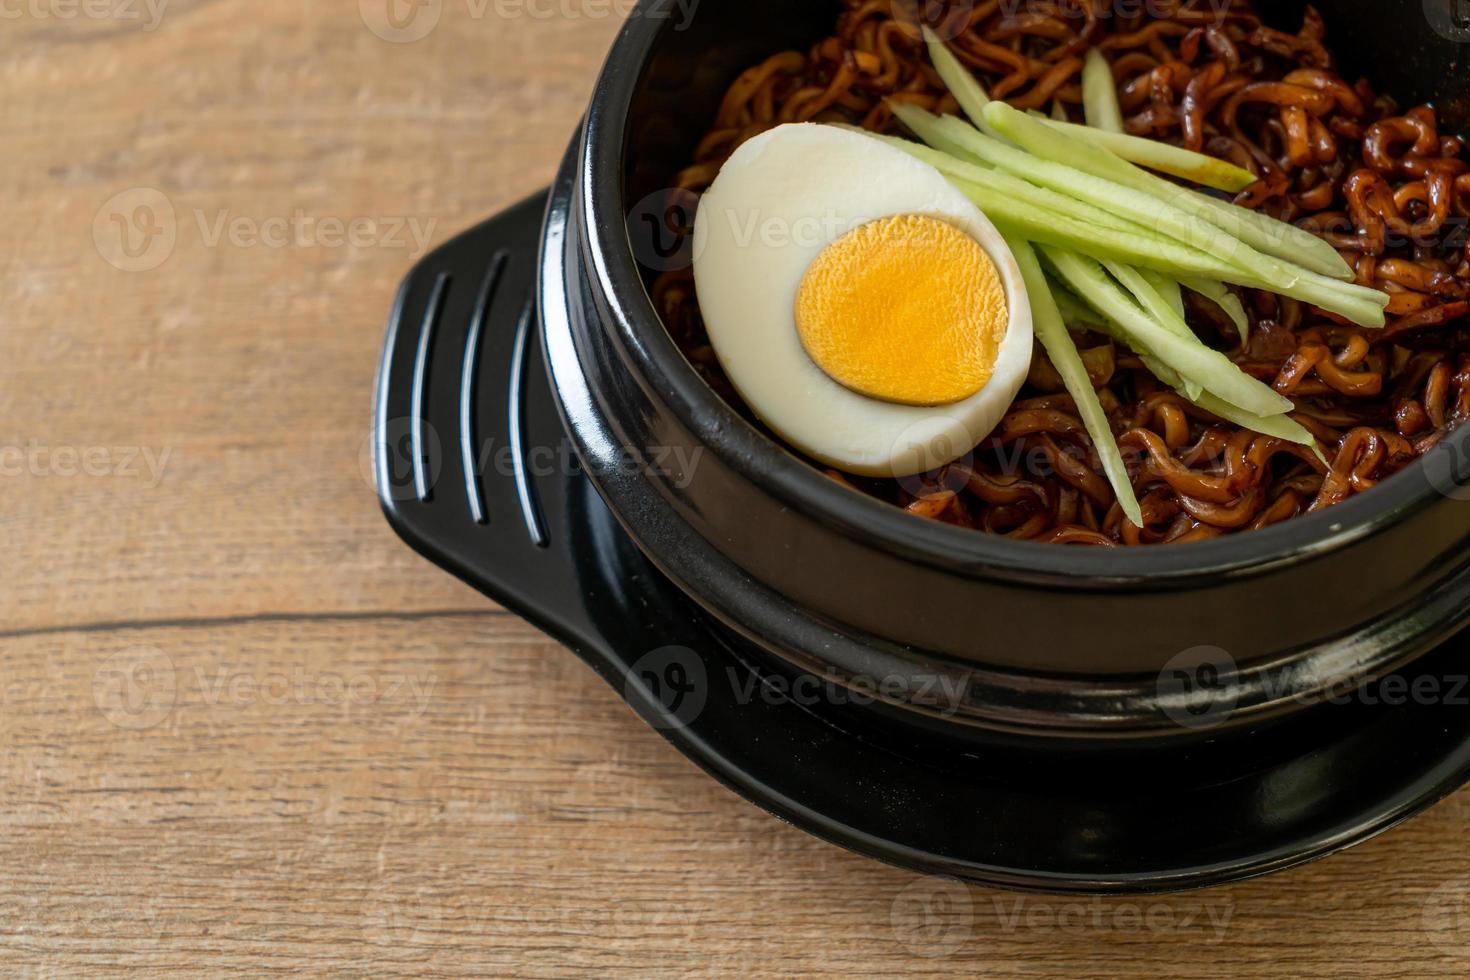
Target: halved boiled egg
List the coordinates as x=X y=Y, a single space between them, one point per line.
x=864 y=308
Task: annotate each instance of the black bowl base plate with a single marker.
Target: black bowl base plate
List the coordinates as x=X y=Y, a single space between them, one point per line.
x=477 y=473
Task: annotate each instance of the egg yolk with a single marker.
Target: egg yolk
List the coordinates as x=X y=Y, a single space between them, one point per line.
x=906 y=309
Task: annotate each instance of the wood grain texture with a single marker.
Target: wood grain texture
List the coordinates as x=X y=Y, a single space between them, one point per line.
x=341 y=760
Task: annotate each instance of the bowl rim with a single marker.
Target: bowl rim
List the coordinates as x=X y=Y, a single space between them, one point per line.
x=796 y=483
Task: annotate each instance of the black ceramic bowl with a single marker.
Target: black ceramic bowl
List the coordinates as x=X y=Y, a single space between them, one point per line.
x=1044 y=639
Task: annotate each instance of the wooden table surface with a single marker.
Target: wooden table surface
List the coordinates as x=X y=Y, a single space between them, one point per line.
x=244 y=729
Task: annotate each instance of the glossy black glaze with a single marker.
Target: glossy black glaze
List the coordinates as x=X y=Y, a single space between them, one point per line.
x=1054 y=814
x=1047 y=639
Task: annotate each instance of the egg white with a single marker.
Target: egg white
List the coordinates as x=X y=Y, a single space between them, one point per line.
x=780 y=200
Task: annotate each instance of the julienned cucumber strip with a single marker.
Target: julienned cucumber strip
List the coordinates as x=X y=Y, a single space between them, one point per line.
x=1193 y=361
x=1091 y=229
x=1100 y=94
x=1260 y=231
x=1134 y=243
x=1156 y=306
x=1052 y=332
x=1148 y=296
x=1216 y=292
x=1167 y=288
x=962 y=84
x=960 y=166
x=1055 y=228
x=1279 y=238
x=1249 y=267
x=1077 y=314
x=1164 y=157
x=1361 y=305
x=1281 y=426
x=1193 y=225
x=1127 y=202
